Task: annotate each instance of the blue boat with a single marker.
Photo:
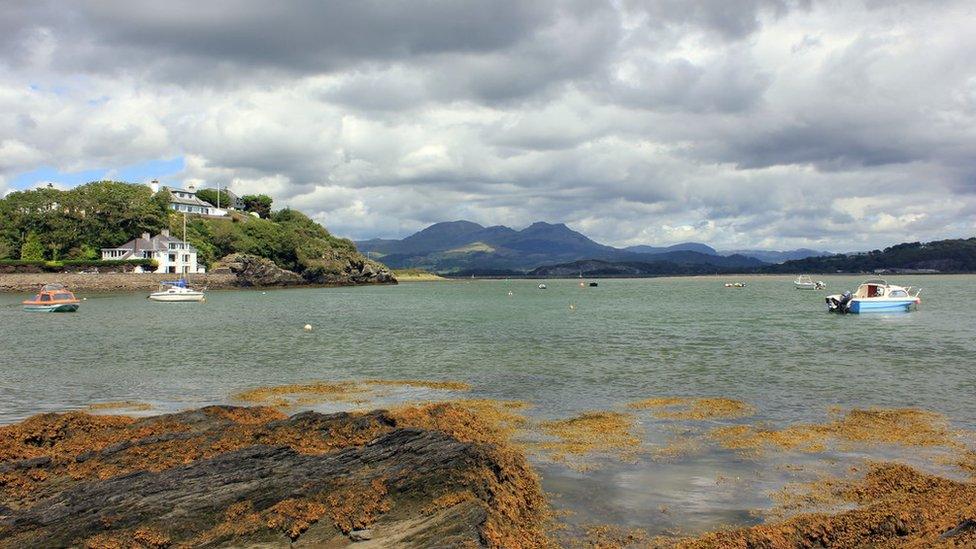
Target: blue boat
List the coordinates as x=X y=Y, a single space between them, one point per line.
x=875 y=296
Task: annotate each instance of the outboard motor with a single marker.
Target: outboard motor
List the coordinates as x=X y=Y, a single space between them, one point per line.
x=841 y=305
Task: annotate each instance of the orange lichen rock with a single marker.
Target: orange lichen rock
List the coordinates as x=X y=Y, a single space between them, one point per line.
x=695 y=408
x=128 y=405
x=253 y=475
x=294 y=516
x=355 y=392
x=357 y=507
x=589 y=433
x=905 y=426
x=898 y=507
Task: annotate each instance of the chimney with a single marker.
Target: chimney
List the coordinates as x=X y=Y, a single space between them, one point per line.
x=145 y=236
x=165 y=232
x=191 y=188
x=154 y=185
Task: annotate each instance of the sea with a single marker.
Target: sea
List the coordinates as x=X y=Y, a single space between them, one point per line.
x=567 y=349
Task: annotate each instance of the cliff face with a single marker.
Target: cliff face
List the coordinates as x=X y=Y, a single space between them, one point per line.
x=338 y=269
x=229 y=476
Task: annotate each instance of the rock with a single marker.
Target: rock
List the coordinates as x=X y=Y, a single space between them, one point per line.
x=227 y=476
x=361 y=535
x=256 y=271
x=344 y=268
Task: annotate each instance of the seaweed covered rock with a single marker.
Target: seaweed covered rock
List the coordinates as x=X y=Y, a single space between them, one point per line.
x=231 y=476
x=341 y=267
x=252 y=270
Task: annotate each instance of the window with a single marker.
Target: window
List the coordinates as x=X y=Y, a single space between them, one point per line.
x=186 y=258
x=62 y=296
x=45 y=297
x=898 y=293
x=172 y=258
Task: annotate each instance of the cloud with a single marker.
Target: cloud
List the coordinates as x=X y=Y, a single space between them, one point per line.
x=747 y=123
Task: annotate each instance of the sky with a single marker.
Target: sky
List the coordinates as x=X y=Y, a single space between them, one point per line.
x=771 y=124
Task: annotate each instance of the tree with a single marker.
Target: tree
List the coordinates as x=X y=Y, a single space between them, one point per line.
x=5 y=249
x=32 y=249
x=257 y=203
x=210 y=195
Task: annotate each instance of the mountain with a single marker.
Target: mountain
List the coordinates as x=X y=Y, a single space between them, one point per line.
x=667 y=263
x=465 y=247
x=951 y=256
x=774 y=256
x=684 y=246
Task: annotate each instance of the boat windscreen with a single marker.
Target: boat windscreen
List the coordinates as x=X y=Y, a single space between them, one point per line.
x=59 y=297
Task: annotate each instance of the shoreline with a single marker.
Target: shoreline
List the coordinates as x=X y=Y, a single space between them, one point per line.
x=412 y=475
x=25 y=283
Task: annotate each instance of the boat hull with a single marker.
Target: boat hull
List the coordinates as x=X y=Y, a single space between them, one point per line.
x=177 y=298
x=882 y=305
x=55 y=308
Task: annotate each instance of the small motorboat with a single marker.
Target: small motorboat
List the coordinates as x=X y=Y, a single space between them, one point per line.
x=53 y=298
x=735 y=285
x=176 y=292
x=542 y=286
x=875 y=296
x=593 y=284
x=804 y=282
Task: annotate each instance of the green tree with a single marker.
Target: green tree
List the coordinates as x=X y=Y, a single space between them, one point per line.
x=32 y=249
x=210 y=195
x=257 y=203
x=5 y=249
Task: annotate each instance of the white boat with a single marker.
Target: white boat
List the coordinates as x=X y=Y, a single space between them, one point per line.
x=875 y=296
x=542 y=286
x=175 y=292
x=804 y=282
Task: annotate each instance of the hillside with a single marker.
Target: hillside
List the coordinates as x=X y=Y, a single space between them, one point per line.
x=947 y=256
x=50 y=224
x=463 y=247
x=671 y=263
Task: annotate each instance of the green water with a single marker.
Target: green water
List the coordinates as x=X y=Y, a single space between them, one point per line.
x=767 y=344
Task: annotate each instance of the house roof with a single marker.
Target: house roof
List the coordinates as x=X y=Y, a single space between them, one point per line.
x=190 y=201
x=158 y=243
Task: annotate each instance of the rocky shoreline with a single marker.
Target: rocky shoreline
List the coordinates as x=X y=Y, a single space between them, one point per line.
x=222 y=476
x=235 y=271
x=441 y=474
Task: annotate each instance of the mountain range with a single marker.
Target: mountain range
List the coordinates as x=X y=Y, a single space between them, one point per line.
x=463 y=247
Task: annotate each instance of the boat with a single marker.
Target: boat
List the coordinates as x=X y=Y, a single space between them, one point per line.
x=593 y=284
x=804 y=282
x=875 y=296
x=735 y=285
x=177 y=291
x=53 y=298
x=542 y=286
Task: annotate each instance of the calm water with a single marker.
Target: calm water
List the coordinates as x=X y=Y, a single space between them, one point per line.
x=767 y=344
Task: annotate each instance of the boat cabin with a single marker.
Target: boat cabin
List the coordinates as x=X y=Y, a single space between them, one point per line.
x=879 y=288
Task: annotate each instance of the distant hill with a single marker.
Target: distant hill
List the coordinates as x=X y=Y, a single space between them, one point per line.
x=684 y=246
x=947 y=256
x=773 y=256
x=457 y=247
x=670 y=263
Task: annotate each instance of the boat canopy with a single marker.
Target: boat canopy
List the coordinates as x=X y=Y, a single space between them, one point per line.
x=181 y=283
x=55 y=287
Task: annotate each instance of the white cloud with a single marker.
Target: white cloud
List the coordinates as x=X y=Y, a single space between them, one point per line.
x=742 y=124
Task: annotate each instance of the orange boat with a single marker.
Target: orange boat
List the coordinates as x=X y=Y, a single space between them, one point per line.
x=53 y=298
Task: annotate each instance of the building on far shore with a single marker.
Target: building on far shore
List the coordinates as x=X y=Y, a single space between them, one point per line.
x=172 y=254
x=186 y=200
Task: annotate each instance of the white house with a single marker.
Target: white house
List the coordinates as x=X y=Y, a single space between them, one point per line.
x=172 y=254
x=186 y=200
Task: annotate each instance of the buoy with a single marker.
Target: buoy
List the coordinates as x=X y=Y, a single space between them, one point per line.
x=308 y=327
x=572 y=306
x=264 y=293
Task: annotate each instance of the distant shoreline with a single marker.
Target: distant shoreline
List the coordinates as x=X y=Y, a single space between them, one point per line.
x=23 y=283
